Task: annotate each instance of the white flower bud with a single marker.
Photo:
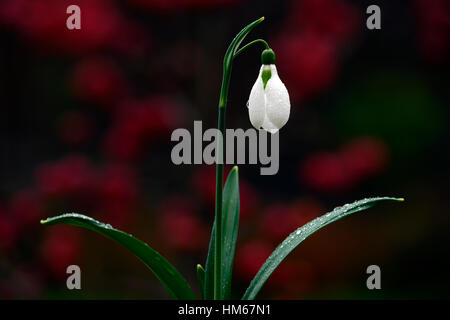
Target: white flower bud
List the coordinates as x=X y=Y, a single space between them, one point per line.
x=269 y=107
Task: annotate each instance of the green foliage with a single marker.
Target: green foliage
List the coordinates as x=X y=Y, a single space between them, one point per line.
x=209 y=266
x=163 y=270
x=230 y=223
x=201 y=280
x=296 y=237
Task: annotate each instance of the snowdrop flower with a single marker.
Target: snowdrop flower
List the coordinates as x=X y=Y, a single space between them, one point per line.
x=268 y=105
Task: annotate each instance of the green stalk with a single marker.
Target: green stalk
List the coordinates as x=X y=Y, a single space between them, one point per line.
x=219 y=194
x=227 y=65
x=252 y=43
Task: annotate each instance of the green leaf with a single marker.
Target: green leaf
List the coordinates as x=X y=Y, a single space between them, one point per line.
x=296 y=237
x=230 y=224
x=234 y=45
x=209 y=266
x=163 y=270
x=201 y=280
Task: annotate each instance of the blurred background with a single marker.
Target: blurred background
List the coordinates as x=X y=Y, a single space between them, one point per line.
x=86 y=118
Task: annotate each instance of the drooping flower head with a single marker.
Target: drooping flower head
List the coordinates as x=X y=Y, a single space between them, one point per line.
x=268 y=104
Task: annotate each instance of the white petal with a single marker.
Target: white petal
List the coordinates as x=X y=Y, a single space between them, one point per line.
x=256 y=103
x=278 y=106
x=269 y=126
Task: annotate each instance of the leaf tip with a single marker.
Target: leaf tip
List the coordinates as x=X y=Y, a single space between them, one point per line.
x=261 y=19
x=44 y=221
x=235 y=168
x=401 y=199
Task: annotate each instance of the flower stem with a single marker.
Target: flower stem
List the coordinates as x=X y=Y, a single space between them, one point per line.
x=219 y=193
x=252 y=43
x=227 y=66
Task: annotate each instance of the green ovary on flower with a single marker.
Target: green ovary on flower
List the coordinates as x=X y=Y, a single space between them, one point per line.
x=266 y=74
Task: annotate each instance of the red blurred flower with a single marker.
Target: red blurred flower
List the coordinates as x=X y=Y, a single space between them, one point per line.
x=251 y=256
x=180 y=227
x=75 y=127
x=121 y=144
x=305 y=279
x=7 y=231
x=177 y=5
x=138 y=122
x=433 y=19
x=204 y=182
x=27 y=208
x=117 y=183
x=307 y=63
x=249 y=200
x=279 y=220
x=132 y=40
x=365 y=156
x=70 y=176
x=336 y=20
x=100 y=81
x=316 y=30
x=60 y=249
x=117 y=194
x=326 y=172
x=117 y=214
x=332 y=172
x=44 y=22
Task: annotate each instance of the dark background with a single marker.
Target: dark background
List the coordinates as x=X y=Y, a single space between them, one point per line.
x=86 y=118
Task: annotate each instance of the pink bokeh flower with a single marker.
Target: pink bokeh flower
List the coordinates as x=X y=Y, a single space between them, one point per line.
x=313 y=38
x=365 y=156
x=331 y=172
x=70 y=176
x=60 y=249
x=180 y=5
x=336 y=20
x=326 y=172
x=139 y=122
x=44 y=23
x=180 y=227
x=8 y=231
x=27 y=207
x=279 y=220
x=117 y=194
x=433 y=19
x=250 y=257
x=99 y=81
x=307 y=63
